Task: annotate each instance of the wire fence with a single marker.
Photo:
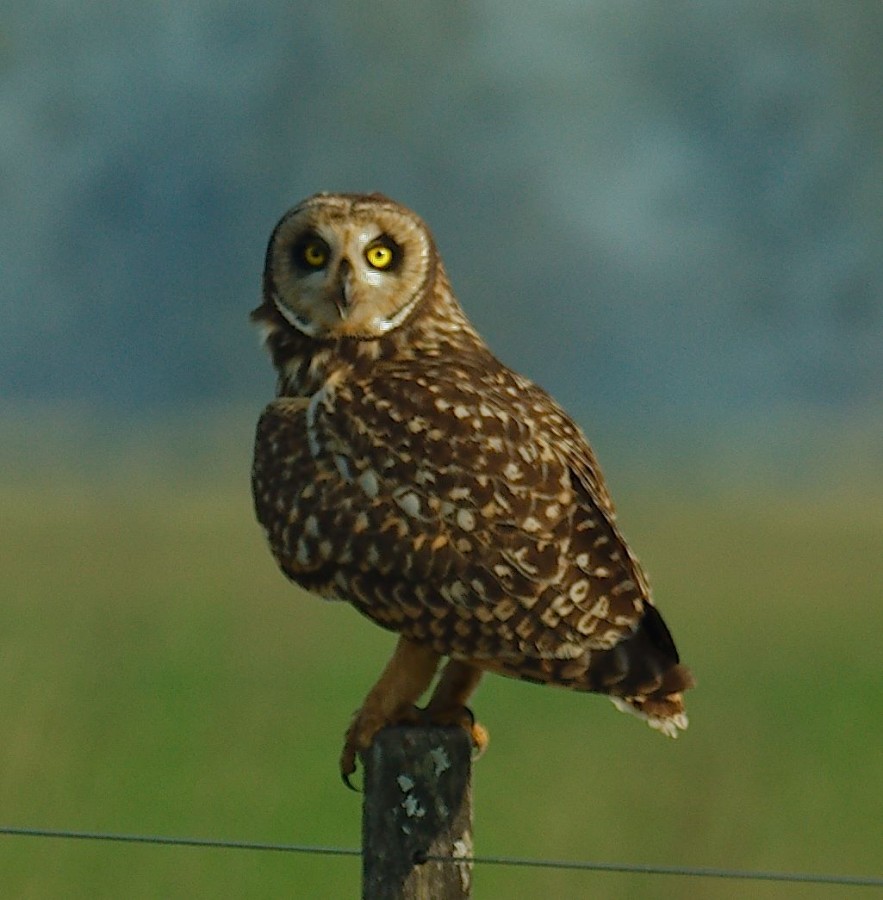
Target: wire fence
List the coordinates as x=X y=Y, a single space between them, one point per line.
x=580 y=865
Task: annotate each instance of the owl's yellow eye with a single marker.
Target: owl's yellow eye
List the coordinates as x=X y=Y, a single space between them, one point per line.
x=315 y=254
x=381 y=255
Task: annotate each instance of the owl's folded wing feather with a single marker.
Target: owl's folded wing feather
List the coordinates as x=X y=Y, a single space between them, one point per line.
x=487 y=542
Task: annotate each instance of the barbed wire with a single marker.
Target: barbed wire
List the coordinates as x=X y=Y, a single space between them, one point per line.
x=579 y=865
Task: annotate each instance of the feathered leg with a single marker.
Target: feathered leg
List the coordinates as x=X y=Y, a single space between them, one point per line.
x=447 y=706
x=391 y=701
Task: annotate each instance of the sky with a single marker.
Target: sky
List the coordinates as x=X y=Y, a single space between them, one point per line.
x=660 y=212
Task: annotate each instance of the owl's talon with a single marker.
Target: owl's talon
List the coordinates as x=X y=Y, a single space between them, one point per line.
x=348 y=765
x=480 y=740
x=361 y=733
x=465 y=719
x=345 y=778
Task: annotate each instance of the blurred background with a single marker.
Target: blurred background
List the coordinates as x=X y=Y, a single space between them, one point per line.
x=669 y=215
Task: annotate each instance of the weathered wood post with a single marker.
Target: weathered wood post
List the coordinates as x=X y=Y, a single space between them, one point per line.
x=417 y=807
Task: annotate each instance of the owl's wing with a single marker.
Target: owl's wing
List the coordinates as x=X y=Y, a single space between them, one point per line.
x=454 y=521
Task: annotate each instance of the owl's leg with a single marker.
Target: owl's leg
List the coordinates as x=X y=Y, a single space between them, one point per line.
x=447 y=706
x=406 y=676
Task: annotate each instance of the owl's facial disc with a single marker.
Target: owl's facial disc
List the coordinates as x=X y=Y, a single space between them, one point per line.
x=348 y=272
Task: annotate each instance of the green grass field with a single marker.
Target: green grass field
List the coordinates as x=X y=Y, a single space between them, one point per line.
x=157 y=675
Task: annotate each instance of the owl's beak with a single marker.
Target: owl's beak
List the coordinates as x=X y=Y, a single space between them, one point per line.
x=341 y=290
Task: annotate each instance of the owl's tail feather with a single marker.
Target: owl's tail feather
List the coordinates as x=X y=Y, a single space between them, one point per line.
x=643 y=675
x=665 y=713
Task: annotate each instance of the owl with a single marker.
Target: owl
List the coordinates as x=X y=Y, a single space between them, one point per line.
x=405 y=470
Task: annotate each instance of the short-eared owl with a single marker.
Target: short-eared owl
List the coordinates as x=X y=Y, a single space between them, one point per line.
x=404 y=469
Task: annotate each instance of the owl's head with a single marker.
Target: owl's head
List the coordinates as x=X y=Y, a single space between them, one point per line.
x=346 y=265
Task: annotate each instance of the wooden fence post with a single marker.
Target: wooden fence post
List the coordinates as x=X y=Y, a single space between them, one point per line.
x=417 y=806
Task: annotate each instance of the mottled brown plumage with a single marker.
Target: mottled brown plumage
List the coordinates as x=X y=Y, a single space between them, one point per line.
x=404 y=469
